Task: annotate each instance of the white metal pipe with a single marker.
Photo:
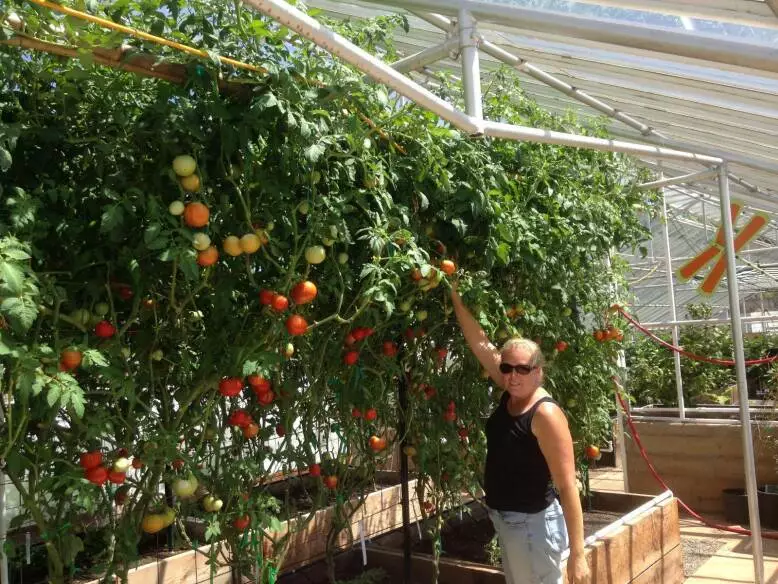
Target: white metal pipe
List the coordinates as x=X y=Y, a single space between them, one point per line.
x=533 y=71
x=706 y=322
x=471 y=69
x=636 y=36
x=740 y=369
x=713 y=410
x=426 y=57
x=700 y=421
x=684 y=178
x=332 y=42
x=673 y=315
x=435 y=20
x=511 y=132
x=306 y=26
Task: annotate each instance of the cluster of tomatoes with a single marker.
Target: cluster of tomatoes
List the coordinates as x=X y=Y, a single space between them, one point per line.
x=98 y=473
x=610 y=334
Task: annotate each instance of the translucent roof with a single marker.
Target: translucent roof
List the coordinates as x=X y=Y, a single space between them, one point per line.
x=697 y=75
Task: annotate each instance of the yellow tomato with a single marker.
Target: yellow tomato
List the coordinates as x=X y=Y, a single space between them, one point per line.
x=191 y=183
x=231 y=246
x=250 y=243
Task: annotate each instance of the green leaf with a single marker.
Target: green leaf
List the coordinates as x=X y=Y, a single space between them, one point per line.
x=213 y=530
x=5 y=349
x=12 y=277
x=112 y=218
x=21 y=312
x=187 y=262
x=266 y=101
x=93 y=358
x=78 y=403
x=53 y=395
x=15 y=253
x=5 y=159
x=314 y=152
x=502 y=252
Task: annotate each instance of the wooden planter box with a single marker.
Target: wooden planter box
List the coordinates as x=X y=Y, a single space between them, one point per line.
x=642 y=548
x=380 y=513
x=684 y=451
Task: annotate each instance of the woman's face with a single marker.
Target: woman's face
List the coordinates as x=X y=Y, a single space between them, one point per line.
x=520 y=384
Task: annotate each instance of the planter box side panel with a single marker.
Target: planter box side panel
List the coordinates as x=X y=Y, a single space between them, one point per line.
x=683 y=452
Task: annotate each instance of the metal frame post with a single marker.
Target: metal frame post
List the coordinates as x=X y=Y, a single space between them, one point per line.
x=673 y=315
x=471 y=70
x=740 y=368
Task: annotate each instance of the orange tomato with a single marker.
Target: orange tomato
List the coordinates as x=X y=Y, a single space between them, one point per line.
x=208 y=257
x=196 y=215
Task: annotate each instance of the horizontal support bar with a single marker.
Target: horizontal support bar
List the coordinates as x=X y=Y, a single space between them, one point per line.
x=426 y=57
x=511 y=132
x=684 y=178
x=707 y=321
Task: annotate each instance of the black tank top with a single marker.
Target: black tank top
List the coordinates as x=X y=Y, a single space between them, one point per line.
x=517 y=475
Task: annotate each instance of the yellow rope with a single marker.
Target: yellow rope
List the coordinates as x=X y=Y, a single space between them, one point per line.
x=143 y=35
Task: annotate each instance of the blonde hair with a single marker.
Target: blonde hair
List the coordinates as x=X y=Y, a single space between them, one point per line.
x=536 y=360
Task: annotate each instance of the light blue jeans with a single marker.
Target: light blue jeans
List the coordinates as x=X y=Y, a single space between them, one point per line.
x=531 y=544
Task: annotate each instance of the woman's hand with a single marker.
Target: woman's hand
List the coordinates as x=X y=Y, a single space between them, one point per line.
x=577 y=568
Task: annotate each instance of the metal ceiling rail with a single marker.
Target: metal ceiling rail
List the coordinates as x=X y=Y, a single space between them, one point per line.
x=684 y=178
x=648 y=133
x=678 y=43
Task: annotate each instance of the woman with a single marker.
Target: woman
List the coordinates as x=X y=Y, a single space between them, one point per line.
x=529 y=460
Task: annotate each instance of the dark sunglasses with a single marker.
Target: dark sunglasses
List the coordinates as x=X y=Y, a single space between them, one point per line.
x=506 y=368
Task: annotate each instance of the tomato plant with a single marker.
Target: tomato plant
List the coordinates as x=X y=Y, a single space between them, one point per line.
x=167 y=245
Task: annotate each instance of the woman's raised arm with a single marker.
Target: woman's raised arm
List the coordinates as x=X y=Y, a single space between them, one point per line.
x=486 y=353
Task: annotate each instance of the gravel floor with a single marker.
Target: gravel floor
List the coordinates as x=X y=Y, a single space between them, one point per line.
x=696 y=551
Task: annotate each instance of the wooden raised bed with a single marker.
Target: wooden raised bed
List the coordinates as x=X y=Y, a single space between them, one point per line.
x=380 y=513
x=643 y=547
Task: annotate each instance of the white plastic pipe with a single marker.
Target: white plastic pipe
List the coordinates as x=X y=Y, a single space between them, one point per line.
x=311 y=29
x=740 y=369
x=426 y=57
x=673 y=315
x=684 y=178
x=511 y=132
x=471 y=69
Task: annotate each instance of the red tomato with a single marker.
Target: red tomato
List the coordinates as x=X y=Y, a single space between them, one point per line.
x=371 y=414
x=389 y=349
x=296 y=325
x=240 y=418
x=280 y=303
x=349 y=340
x=259 y=384
x=266 y=398
x=70 y=359
x=117 y=478
x=377 y=444
x=231 y=386
x=314 y=470
x=104 y=329
x=593 y=452
x=351 y=358
x=355 y=413
x=463 y=433
x=250 y=430
x=91 y=459
x=266 y=297
x=561 y=346
x=304 y=292
x=331 y=482
x=280 y=430
x=126 y=293
x=178 y=463
x=137 y=463
x=241 y=523
x=97 y=475
x=449 y=415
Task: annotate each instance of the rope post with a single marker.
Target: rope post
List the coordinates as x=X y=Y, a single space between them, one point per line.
x=402 y=387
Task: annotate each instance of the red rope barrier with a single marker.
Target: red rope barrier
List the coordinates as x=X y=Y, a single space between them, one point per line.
x=689 y=510
x=695 y=357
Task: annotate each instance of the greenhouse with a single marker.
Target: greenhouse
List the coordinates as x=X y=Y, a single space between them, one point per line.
x=266 y=269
